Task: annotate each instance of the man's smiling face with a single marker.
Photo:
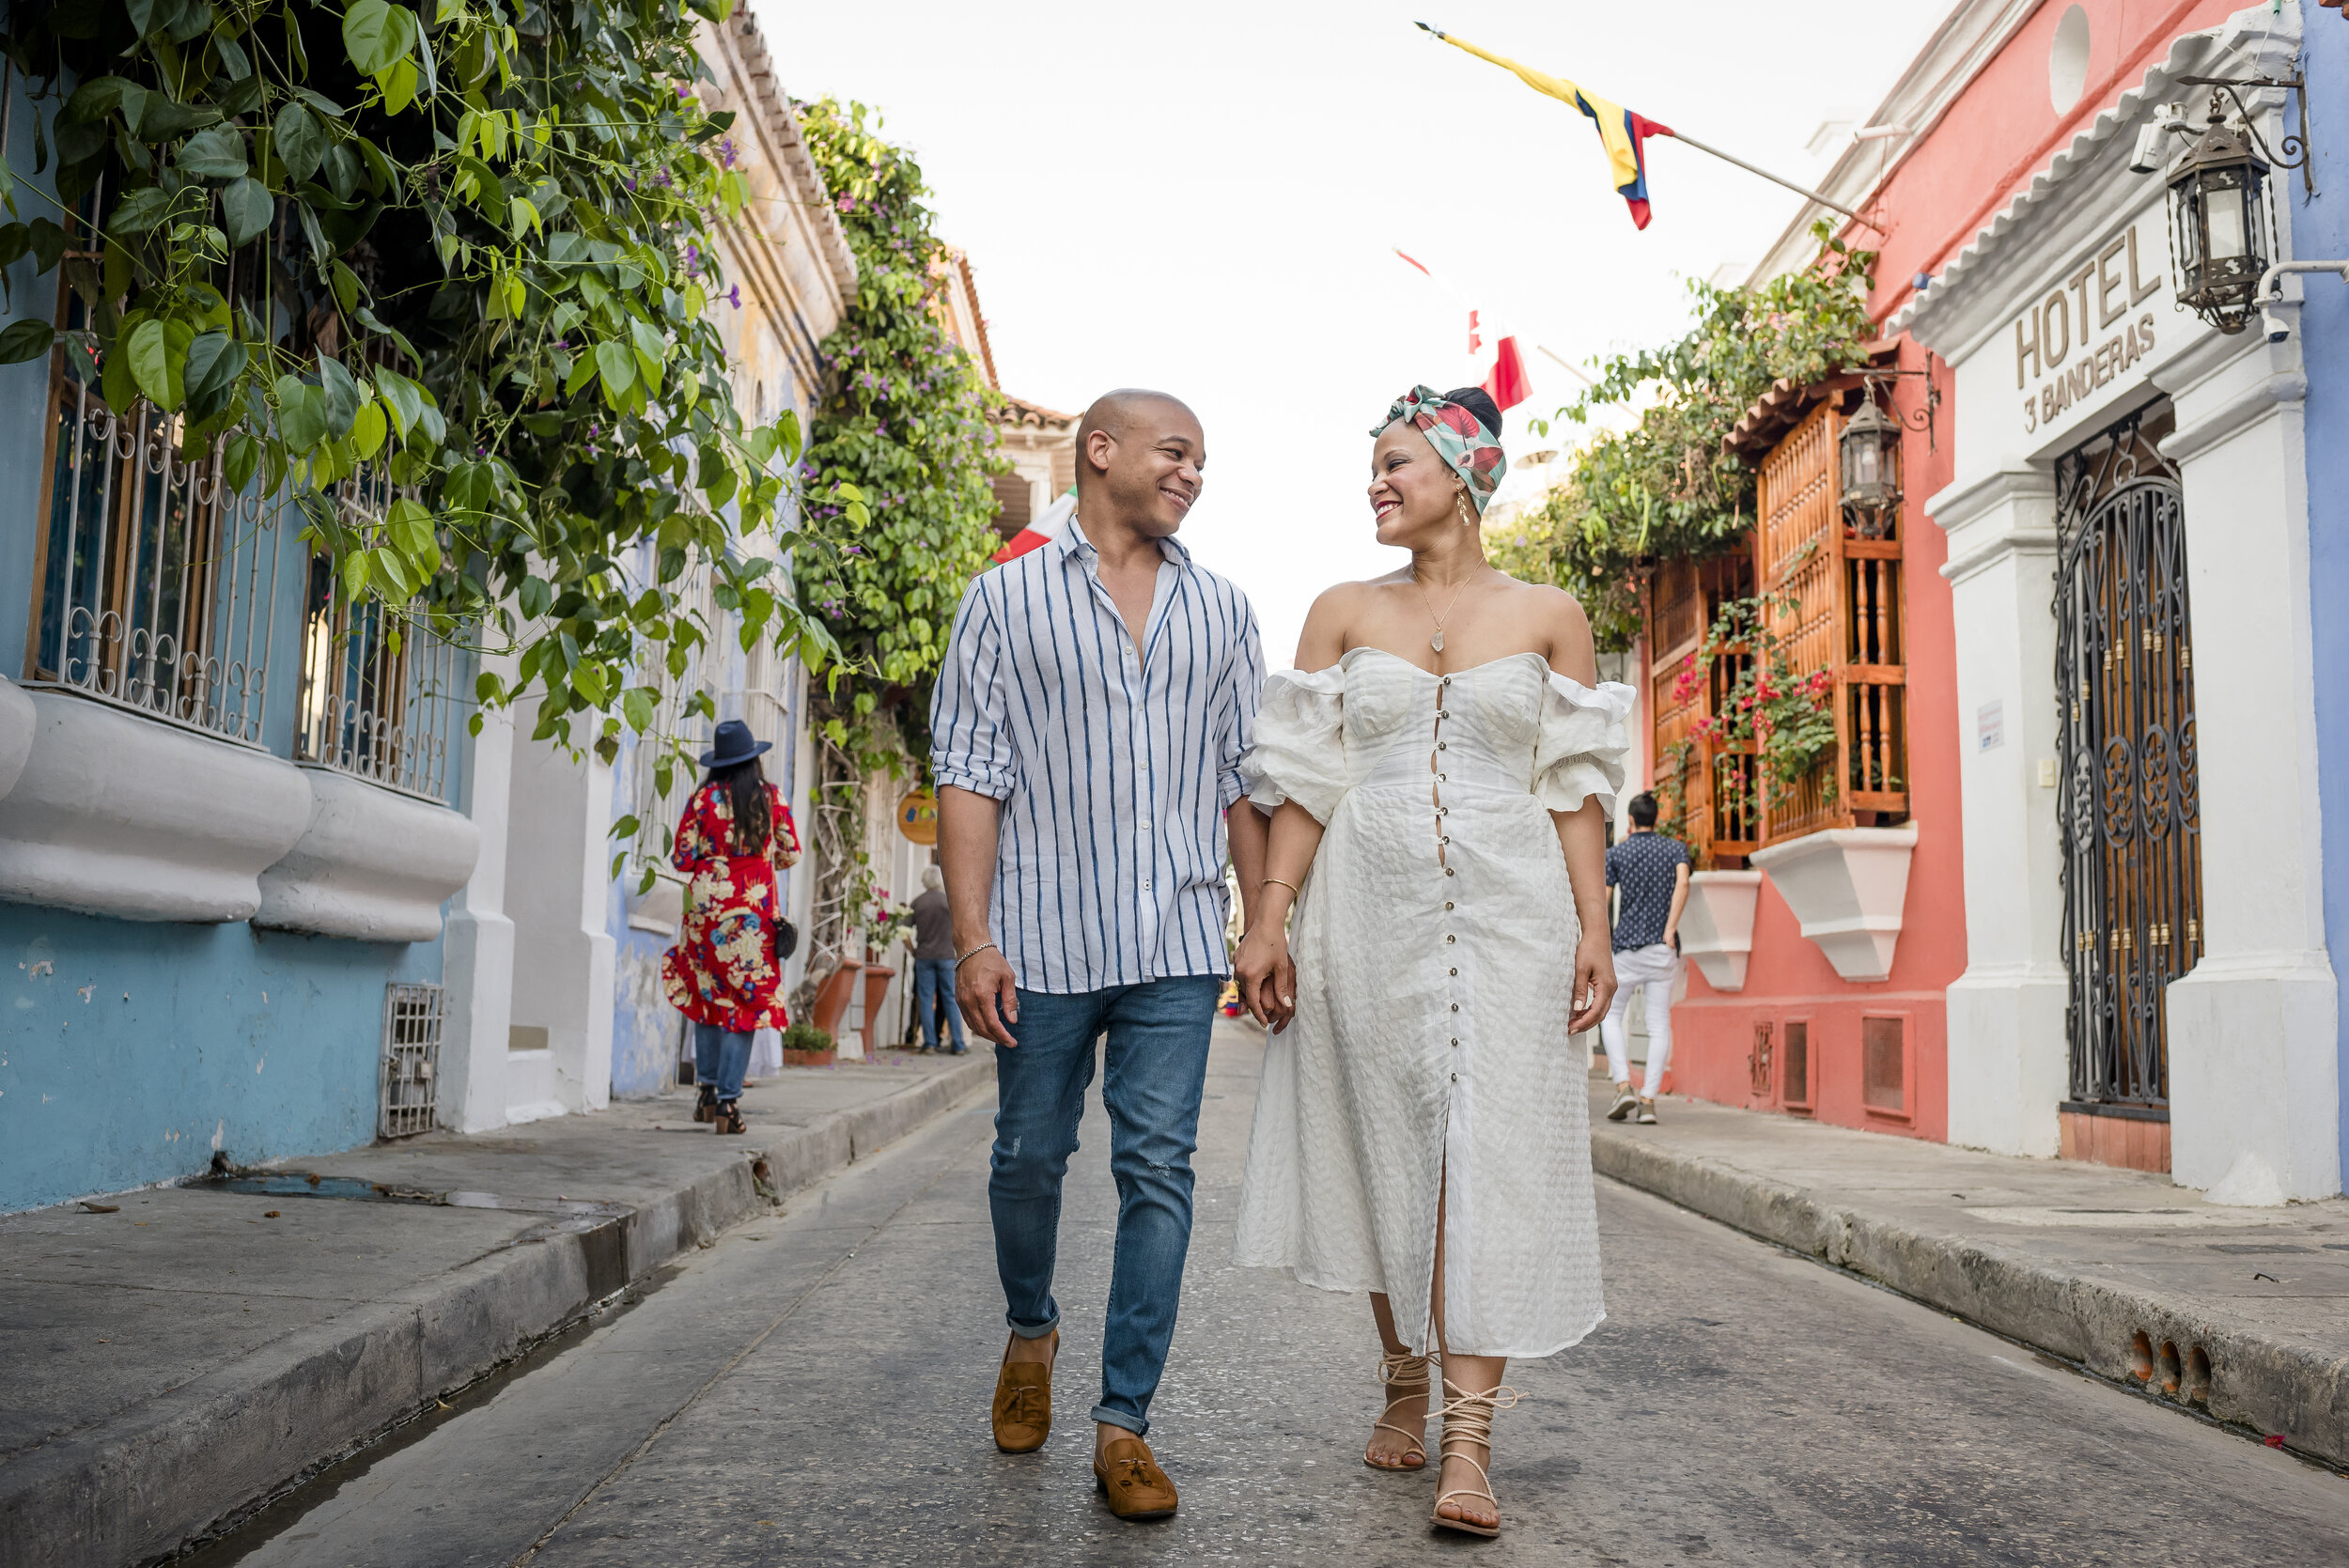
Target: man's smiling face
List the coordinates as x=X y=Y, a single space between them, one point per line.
x=1152 y=463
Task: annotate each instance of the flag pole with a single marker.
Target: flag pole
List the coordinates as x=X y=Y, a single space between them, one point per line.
x=1800 y=191
x=1727 y=158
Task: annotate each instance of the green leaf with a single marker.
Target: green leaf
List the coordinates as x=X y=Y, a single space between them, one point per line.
x=164 y=120
x=617 y=366
x=246 y=207
x=301 y=142
x=638 y=704
x=399 y=85
x=301 y=413
x=368 y=430
x=157 y=352
x=342 y=395
x=48 y=243
x=402 y=395
x=15 y=240
x=535 y=595
x=374 y=35
x=214 y=154
x=240 y=459
x=214 y=360
x=26 y=340
x=409 y=527
x=114 y=382
x=139 y=212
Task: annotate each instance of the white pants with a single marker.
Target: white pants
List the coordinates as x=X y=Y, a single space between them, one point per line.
x=1652 y=968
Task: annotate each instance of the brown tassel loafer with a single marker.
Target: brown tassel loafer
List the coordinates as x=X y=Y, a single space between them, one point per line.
x=1024 y=1402
x=1132 y=1479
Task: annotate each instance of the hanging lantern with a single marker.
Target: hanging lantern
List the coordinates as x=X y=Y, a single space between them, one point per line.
x=2218 y=225
x=1871 y=456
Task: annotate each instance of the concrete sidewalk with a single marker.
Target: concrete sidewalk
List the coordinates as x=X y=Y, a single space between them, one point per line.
x=172 y=1361
x=2240 y=1313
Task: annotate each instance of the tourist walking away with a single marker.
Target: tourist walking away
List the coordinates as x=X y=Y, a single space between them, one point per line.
x=1439 y=768
x=933 y=941
x=1651 y=871
x=726 y=973
x=1088 y=725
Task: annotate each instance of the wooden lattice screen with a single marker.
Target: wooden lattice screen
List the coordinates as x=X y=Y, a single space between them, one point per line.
x=1845 y=618
x=1716 y=812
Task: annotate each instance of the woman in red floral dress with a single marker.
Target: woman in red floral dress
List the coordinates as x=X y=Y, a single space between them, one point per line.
x=724 y=974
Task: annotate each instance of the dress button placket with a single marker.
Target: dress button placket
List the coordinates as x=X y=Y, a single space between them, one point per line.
x=1444 y=845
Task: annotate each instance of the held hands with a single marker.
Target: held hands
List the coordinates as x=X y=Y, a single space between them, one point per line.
x=1594 y=981
x=1267 y=975
x=987 y=994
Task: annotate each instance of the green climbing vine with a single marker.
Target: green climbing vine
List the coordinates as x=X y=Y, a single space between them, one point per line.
x=470 y=249
x=903 y=427
x=1666 y=487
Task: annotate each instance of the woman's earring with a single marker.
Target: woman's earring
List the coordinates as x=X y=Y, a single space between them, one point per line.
x=1459 y=504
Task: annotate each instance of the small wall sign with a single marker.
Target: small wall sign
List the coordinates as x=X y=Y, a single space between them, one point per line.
x=1990 y=725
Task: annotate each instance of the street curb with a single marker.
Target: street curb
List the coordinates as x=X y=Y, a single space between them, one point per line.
x=2298 y=1388
x=135 y=1487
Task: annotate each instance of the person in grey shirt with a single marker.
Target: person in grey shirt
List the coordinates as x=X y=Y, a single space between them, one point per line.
x=933 y=942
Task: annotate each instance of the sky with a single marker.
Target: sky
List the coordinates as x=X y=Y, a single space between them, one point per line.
x=1205 y=200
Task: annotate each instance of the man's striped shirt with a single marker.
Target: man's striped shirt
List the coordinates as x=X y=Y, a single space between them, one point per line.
x=1114 y=766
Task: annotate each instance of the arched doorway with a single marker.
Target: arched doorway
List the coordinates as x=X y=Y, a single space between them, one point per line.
x=2127 y=808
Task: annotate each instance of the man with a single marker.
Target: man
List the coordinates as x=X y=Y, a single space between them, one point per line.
x=1088 y=726
x=1653 y=872
x=933 y=939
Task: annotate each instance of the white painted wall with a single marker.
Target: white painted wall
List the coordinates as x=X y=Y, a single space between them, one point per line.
x=477 y=956
x=557 y=889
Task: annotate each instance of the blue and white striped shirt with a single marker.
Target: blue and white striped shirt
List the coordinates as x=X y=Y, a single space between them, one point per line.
x=1114 y=767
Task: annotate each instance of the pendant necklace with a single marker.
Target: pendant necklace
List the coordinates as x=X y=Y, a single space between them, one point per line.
x=1437 y=640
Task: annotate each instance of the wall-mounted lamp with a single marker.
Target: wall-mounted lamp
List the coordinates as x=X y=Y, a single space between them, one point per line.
x=2221 y=234
x=1869 y=451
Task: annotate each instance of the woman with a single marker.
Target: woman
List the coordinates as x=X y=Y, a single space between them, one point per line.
x=724 y=974
x=1439 y=786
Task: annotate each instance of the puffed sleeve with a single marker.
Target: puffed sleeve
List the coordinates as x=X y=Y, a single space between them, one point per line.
x=1298 y=752
x=1583 y=742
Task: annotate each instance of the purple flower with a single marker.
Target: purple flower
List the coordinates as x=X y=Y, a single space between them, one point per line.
x=727 y=153
x=855 y=549
x=734 y=296
x=628 y=180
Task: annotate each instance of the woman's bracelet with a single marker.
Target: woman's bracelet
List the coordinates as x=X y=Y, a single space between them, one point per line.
x=972 y=954
x=1273 y=881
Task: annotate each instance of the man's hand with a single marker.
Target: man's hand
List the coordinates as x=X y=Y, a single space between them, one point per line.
x=1267 y=976
x=1594 y=981
x=988 y=995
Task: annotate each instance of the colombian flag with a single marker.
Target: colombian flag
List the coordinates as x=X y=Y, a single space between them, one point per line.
x=1624 y=132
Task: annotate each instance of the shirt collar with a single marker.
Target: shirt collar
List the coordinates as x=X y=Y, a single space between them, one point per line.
x=1073 y=542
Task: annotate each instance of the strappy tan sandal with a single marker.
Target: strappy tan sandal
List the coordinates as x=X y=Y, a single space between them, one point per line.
x=1472 y=1415
x=1406 y=1377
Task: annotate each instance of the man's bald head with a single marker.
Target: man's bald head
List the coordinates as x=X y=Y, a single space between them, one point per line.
x=1118 y=410
x=1138 y=453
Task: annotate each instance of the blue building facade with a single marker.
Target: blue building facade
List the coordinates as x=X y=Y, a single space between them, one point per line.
x=2320 y=231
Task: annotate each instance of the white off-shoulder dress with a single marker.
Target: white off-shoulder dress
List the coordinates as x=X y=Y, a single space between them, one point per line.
x=1435 y=944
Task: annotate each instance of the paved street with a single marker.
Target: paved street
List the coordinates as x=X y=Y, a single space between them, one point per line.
x=813 y=1388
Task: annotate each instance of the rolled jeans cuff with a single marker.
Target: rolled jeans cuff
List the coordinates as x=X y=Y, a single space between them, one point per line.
x=1138 y=1425
x=1031 y=1331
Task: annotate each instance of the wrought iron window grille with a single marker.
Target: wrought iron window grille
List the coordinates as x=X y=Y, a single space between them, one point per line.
x=408 y=1098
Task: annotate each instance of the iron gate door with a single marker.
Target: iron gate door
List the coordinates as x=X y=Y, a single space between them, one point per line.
x=2128 y=810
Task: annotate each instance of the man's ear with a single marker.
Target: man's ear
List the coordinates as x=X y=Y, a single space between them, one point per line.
x=1100 y=446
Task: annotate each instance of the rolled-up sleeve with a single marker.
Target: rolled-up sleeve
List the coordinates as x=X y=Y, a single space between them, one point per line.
x=970 y=743
x=1248 y=693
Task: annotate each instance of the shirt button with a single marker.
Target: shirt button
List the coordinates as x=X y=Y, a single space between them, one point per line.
x=1447 y=905
x=1456 y=1039
x=1443 y=778
x=1455 y=1007
x=1450 y=938
x=1442 y=745
x=1452 y=971
x=1449 y=871
x=1455 y=1077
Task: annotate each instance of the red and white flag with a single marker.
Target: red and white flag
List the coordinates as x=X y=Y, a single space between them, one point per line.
x=1507 y=383
x=1042 y=530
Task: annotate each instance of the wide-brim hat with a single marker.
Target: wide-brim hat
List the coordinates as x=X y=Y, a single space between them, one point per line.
x=734 y=744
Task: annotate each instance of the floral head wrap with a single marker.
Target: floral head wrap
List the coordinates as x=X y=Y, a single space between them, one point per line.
x=1460 y=439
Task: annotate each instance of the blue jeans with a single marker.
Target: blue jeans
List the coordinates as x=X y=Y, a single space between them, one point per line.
x=932 y=979
x=721 y=1056
x=1156 y=1067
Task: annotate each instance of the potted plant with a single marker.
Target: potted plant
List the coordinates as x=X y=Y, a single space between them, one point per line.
x=806 y=1046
